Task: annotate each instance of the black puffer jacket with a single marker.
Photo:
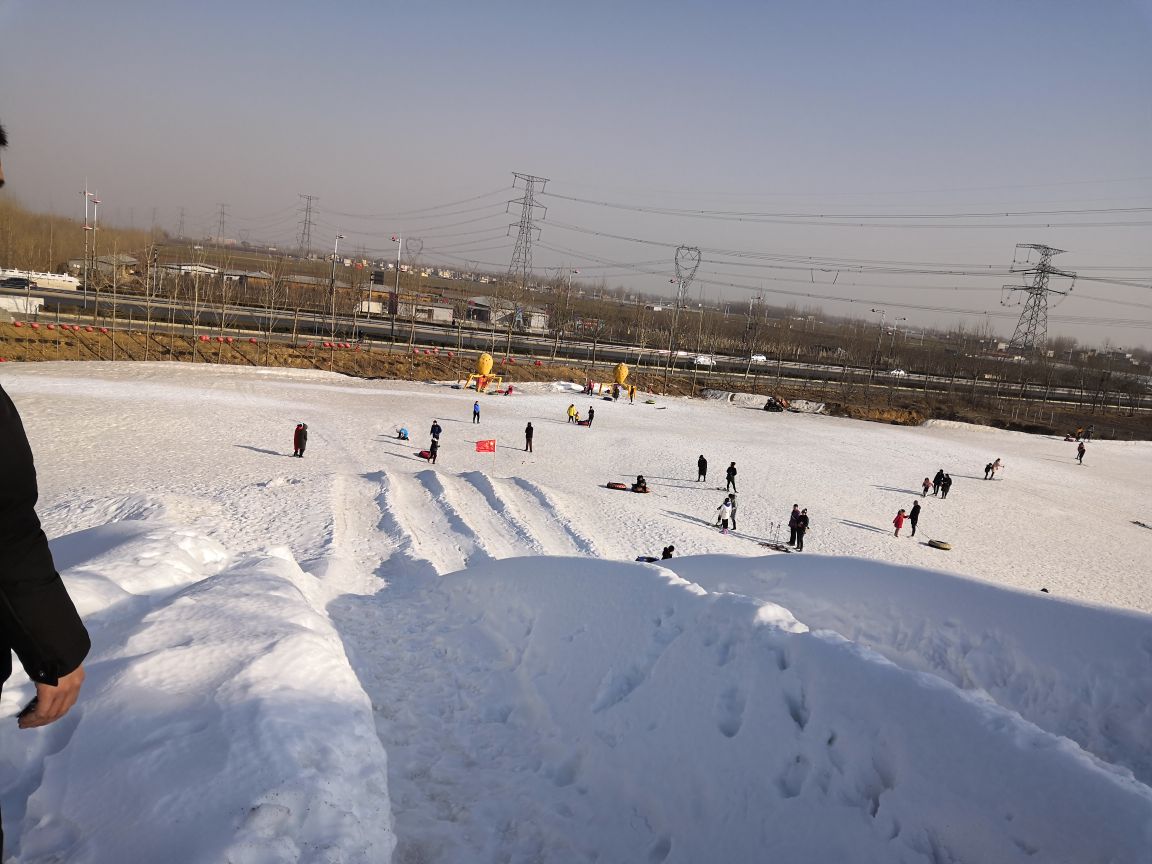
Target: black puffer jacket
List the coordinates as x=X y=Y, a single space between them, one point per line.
x=37 y=617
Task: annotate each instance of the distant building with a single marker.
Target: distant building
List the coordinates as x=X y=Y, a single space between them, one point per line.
x=505 y=313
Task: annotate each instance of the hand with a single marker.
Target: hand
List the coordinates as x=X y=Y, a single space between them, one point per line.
x=54 y=702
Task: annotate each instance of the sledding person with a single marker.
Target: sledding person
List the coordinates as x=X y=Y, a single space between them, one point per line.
x=725 y=511
x=666 y=552
x=528 y=438
x=1080 y=452
x=801 y=529
x=945 y=485
x=300 y=439
x=701 y=469
x=926 y=485
x=730 y=486
x=792 y=517
x=591 y=414
x=936 y=481
x=914 y=516
x=402 y=434
x=641 y=485
x=571 y=413
x=899 y=522
x=436 y=430
x=476 y=411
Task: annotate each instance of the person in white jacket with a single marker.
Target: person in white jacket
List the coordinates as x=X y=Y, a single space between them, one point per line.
x=725 y=511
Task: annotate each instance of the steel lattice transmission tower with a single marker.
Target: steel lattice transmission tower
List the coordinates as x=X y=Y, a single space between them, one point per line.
x=520 y=270
x=687 y=263
x=306 y=226
x=1032 y=329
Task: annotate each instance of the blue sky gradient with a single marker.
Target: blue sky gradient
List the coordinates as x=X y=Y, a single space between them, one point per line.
x=824 y=107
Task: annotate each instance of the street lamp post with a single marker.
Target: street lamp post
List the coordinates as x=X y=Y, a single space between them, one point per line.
x=879 y=336
x=332 y=285
x=564 y=318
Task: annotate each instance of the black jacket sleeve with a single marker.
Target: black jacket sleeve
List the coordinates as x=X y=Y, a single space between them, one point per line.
x=37 y=617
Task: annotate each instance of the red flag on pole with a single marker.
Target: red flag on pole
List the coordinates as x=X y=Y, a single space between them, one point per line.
x=488 y=446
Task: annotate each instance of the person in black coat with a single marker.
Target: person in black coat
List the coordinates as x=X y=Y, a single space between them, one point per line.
x=433 y=449
x=591 y=414
x=38 y=620
x=436 y=430
x=914 y=516
x=801 y=529
x=731 y=475
x=945 y=485
x=936 y=481
x=300 y=439
x=701 y=469
x=528 y=432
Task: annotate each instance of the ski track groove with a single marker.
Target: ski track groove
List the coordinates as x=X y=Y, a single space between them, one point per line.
x=554 y=516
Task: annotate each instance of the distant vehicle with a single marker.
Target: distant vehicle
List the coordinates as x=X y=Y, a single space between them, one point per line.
x=759 y=358
x=18 y=282
x=899 y=373
x=704 y=360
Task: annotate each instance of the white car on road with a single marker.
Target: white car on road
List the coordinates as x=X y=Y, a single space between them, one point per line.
x=704 y=360
x=759 y=358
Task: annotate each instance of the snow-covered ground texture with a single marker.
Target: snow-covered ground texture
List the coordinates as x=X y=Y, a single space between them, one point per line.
x=360 y=657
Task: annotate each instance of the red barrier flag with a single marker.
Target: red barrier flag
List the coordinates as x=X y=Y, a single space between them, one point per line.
x=488 y=446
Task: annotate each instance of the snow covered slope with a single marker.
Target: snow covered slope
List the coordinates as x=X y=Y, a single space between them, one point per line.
x=356 y=656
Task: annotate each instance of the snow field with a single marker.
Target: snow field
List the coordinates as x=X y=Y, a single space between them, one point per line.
x=289 y=622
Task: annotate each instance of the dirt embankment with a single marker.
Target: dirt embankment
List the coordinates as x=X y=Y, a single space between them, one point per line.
x=883 y=404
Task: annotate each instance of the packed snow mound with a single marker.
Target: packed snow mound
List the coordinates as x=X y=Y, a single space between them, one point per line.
x=1082 y=672
x=693 y=726
x=222 y=719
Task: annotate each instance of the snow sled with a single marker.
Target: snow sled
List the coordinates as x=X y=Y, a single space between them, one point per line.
x=425 y=454
x=644 y=491
x=621 y=486
x=583 y=422
x=939 y=544
x=647 y=559
x=649 y=401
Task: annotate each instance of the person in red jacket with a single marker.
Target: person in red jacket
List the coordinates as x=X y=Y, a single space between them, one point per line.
x=38 y=620
x=898 y=522
x=300 y=439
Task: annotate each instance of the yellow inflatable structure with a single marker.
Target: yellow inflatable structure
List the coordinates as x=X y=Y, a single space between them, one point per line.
x=483 y=375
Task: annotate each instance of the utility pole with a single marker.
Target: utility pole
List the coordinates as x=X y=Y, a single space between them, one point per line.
x=87 y=228
x=220 y=223
x=332 y=283
x=687 y=263
x=1032 y=329
x=306 y=225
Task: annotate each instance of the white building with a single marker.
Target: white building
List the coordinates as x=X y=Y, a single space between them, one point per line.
x=60 y=281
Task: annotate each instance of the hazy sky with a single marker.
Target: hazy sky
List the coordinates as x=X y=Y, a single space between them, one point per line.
x=845 y=110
